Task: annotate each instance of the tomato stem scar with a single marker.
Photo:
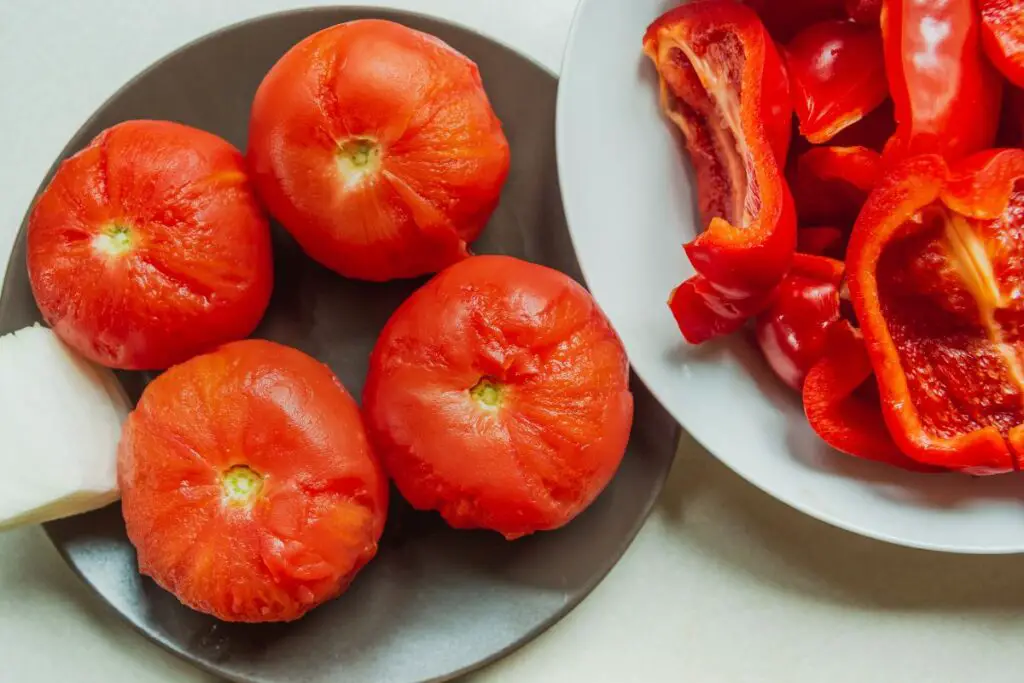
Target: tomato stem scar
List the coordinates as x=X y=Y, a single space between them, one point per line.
x=487 y=393
x=114 y=241
x=358 y=159
x=241 y=485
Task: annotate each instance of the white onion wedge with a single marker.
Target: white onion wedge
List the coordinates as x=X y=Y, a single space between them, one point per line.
x=60 y=421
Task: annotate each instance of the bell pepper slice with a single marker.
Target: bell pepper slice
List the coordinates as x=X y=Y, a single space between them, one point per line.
x=1002 y=34
x=935 y=272
x=842 y=405
x=821 y=241
x=792 y=331
x=867 y=12
x=830 y=184
x=785 y=18
x=722 y=83
x=946 y=94
x=836 y=76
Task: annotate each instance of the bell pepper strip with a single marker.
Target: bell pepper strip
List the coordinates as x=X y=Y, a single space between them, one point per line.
x=785 y=18
x=935 y=268
x=1002 y=35
x=792 y=331
x=723 y=85
x=842 y=405
x=867 y=12
x=830 y=184
x=946 y=94
x=821 y=241
x=836 y=76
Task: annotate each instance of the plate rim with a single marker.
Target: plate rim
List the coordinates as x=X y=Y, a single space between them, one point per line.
x=398 y=15
x=691 y=427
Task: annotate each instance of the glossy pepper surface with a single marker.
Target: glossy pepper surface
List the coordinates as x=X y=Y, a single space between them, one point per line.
x=836 y=75
x=793 y=330
x=830 y=184
x=946 y=94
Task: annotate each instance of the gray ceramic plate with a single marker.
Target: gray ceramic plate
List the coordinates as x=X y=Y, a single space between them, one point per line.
x=436 y=603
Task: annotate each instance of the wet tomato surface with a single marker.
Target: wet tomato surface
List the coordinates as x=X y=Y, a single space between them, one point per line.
x=498 y=394
x=149 y=246
x=249 y=488
x=376 y=147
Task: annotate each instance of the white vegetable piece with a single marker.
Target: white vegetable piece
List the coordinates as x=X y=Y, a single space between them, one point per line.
x=60 y=421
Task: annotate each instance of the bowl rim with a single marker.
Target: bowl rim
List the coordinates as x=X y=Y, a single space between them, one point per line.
x=699 y=434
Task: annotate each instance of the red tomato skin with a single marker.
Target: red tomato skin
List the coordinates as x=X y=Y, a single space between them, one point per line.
x=321 y=510
x=443 y=157
x=197 y=272
x=564 y=410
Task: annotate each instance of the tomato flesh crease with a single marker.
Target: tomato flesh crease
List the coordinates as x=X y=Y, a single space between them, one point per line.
x=701 y=91
x=950 y=294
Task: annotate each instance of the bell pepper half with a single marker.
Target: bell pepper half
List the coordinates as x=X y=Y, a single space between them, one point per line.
x=935 y=270
x=946 y=94
x=1002 y=34
x=836 y=76
x=793 y=330
x=842 y=405
x=830 y=184
x=723 y=85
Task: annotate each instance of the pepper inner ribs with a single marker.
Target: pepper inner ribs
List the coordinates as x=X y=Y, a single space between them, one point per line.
x=700 y=94
x=951 y=294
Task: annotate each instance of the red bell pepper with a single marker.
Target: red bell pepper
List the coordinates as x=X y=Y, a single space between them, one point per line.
x=836 y=76
x=935 y=270
x=821 y=241
x=723 y=85
x=793 y=330
x=842 y=405
x=946 y=94
x=1002 y=34
x=785 y=18
x=830 y=184
x=872 y=131
x=1011 y=122
x=866 y=12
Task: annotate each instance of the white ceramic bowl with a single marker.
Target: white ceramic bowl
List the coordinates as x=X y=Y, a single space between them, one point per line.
x=629 y=200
